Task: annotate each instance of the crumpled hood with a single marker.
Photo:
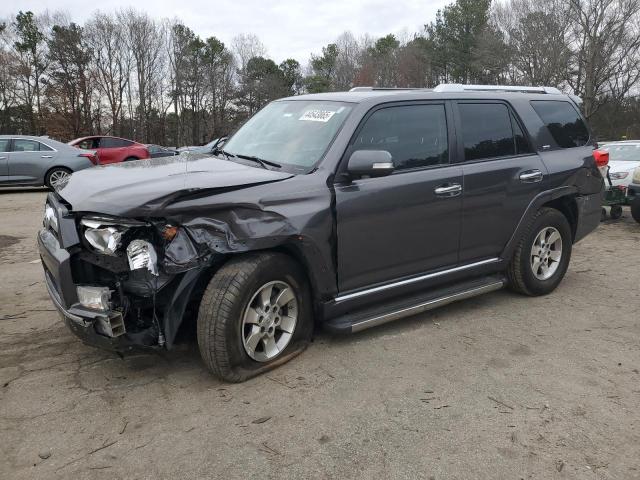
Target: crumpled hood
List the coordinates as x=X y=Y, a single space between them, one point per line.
x=147 y=186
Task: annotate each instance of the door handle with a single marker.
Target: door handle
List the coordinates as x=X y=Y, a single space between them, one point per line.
x=46 y=156
x=3 y=158
x=531 y=176
x=448 y=190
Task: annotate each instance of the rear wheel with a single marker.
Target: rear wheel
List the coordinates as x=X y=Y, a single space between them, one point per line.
x=254 y=315
x=542 y=257
x=635 y=209
x=57 y=178
x=130 y=159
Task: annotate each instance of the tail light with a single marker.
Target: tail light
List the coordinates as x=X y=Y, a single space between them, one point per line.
x=91 y=156
x=602 y=158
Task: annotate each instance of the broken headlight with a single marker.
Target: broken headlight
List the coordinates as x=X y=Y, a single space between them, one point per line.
x=141 y=254
x=105 y=238
x=105 y=234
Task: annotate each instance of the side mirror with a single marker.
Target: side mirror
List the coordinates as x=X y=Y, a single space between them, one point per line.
x=370 y=163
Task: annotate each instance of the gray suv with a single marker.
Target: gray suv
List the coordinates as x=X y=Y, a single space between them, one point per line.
x=40 y=161
x=343 y=209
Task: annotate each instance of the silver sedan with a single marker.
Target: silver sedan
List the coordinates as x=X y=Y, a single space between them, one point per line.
x=38 y=161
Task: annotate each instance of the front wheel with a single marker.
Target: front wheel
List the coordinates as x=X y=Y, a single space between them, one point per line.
x=254 y=315
x=542 y=257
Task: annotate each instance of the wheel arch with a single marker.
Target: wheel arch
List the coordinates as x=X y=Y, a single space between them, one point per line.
x=562 y=199
x=568 y=206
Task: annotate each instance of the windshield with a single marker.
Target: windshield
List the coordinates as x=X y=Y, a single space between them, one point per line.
x=293 y=133
x=623 y=153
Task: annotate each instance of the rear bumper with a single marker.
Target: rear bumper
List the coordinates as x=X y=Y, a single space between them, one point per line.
x=589 y=211
x=85 y=323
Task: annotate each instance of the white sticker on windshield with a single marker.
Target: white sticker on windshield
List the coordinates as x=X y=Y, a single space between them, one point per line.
x=317 y=115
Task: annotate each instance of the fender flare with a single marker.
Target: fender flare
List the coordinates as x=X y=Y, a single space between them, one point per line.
x=535 y=204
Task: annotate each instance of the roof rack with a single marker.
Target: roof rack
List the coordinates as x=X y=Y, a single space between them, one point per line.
x=457 y=87
x=393 y=89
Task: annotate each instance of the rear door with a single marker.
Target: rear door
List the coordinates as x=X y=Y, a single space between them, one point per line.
x=113 y=150
x=4 y=159
x=408 y=222
x=29 y=160
x=502 y=174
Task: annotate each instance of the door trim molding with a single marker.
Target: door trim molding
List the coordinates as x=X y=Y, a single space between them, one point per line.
x=408 y=281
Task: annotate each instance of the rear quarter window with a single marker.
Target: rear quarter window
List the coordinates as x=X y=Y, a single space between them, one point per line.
x=563 y=121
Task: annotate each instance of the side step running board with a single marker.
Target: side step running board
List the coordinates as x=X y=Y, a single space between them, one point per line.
x=361 y=320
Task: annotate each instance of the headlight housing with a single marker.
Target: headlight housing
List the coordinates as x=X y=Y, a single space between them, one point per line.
x=104 y=237
x=105 y=234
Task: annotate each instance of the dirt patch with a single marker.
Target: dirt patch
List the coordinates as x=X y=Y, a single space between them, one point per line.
x=8 y=240
x=500 y=386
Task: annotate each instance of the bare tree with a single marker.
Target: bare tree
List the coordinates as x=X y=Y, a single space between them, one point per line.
x=606 y=42
x=145 y=39
x=245 y=47
x=112 y=63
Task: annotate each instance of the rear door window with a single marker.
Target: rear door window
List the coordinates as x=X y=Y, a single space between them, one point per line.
x=489 y=130
x=108 y=142
x=414 y=135
x=22 y=145
x=563 y=121
x=88 y=144
x=4 y=145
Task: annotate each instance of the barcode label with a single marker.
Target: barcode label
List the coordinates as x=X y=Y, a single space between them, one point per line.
x=317 y=115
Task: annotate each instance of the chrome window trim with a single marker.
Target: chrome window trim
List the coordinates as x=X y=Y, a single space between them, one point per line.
x=408 y=281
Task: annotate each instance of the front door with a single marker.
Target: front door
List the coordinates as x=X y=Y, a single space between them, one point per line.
x=409 y=222
x=29 y=160
x=502 y=175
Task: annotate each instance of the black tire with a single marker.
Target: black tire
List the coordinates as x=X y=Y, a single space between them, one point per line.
x=52 y=173
x=603 y=214
x=130 y=159
x=220 y=317
x=616 y=212
x=520 y=272
x=635 y=209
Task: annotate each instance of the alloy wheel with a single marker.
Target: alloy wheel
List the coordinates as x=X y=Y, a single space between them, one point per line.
x=269 y=321
x=59 y=179
x=546 y=253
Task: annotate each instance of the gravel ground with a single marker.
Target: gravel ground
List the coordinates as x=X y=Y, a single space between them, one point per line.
x=500 y=386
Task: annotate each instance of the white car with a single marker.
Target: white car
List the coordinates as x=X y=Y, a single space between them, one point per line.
x=624 y=157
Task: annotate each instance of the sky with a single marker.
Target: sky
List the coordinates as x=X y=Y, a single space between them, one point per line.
x=288 y=28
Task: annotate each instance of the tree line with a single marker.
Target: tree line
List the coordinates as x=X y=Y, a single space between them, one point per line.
x=157 y=81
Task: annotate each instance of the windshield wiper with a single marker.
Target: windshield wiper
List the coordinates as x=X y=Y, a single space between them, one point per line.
x=259 y=160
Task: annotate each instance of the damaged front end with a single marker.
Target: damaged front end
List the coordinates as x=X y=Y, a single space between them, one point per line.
x=120 y=283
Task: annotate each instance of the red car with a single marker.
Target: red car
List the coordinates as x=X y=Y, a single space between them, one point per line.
x=112 y=149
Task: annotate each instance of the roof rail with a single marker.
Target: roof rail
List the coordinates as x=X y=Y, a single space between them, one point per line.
x=457 y=87
x=371 y=89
